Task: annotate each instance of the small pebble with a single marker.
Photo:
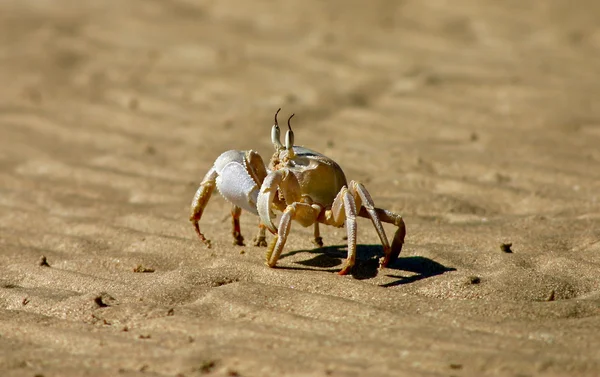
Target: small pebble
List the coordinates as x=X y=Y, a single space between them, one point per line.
x=43 y=262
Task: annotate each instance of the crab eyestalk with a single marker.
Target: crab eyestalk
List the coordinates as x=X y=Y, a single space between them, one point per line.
x=276 y=134
x=289 y=139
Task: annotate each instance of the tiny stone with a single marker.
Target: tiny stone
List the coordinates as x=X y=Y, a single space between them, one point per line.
x=99 y=302
x=44 y=262
x=506 y=247
x=207 y=366
x=143 y=269
x=104 y=300
x=474 y=279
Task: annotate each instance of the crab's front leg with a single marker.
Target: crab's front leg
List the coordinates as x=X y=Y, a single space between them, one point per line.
x=306 y=214
x=200 y=200
x=266 y=198
x=302 y=212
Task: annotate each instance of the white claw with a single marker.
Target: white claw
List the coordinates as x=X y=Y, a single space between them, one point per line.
x=233 y=181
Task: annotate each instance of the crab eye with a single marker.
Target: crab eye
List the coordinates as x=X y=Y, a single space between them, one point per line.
x=289 y=136
x=276 y=133
x=289 y=140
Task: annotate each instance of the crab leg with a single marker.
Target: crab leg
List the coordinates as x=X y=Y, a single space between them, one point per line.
x=343 y=210
x=201 y=198
x=318 y=239
x=238 y=239
x=260 y=239
x=306 y=214
x=390 y=218
x=265 y=199
x=362 y=197
x=295 y=210
x=378 y=215
x=280 y=180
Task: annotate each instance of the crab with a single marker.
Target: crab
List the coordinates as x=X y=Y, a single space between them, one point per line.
x=305 y=186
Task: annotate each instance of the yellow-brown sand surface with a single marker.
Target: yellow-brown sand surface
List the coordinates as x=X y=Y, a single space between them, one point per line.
x=478 y=121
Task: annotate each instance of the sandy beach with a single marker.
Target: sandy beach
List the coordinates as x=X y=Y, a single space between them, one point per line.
x=478 y=121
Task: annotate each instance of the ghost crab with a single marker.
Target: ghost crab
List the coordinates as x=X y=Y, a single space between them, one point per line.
x=305 y=186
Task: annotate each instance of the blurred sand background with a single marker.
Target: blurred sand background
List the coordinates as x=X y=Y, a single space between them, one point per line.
x=479 y=121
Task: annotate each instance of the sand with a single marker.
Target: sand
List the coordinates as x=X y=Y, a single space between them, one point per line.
x=478 y=121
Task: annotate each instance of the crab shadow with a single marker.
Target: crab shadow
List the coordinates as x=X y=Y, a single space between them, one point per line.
x=367 y=263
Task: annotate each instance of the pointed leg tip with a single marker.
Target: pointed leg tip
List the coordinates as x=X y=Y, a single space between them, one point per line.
x=259 y=241
x=391 y=255
x=390 y=258
x=203 y=239
x=345 y=270
x=318 y=241
x=272 y=256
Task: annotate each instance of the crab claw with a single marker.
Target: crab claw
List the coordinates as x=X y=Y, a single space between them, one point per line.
x=234 y=180
x=237 y=175
x=266 y=197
